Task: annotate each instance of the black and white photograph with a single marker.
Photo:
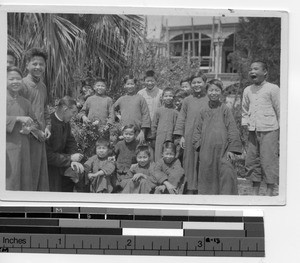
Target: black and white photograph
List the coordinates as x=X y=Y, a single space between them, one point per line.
x=141 y=106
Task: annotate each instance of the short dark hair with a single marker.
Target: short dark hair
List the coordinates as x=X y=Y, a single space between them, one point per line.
x=16 y=69
x=263 y=63
x=66 y=101
x=130 y=126
x=11 y=53
x=127 y=77
x=180 y=93
x=96 y=80
x=215 y=82
x=36 y=52
x=169 y=145
x=102 y=142
x=187 y=79
x=168 y=89
x=199 y=74
x=143 y=148
x=150 y=73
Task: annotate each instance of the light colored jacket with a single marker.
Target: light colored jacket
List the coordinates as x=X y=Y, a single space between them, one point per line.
x=261 y=107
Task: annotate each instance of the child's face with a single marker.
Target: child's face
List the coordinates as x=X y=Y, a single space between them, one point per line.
x=36 y=66
x=100 y=88
x=101 y=151
x=168 y=155
x=257 y=73
x=143 y=159
x=197 y=84
x=185 y=86
x=129 y=135
x=10 y=61
x=178 y=102
x=214 y=93
x=150 y=83
x=130 y=86
x=168 y=98
x=14 y=81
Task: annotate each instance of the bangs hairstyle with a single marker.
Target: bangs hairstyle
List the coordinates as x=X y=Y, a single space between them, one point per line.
x=199 y=74
x=103 y=142
x=187 y=79
x=169 y=145
x=149 y=73
x=263 y=64
x=36 y=52
x=66 y=101
x=127 y=77
x=14 y=69
x=143 y=148
x=168 y=90
x=215 y=82
x=96 y=80
x=130 y=126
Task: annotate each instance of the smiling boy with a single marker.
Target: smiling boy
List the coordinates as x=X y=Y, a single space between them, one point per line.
x=261 y=114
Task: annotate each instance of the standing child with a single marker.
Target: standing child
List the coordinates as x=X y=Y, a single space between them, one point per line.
x=98 y=108
x=261 y=113
x=185 y=85
x=151 y=93
x=100 y=169
x=140 y=177
x=125 y=154
x=164 y=121
x=218 y=139
x=184 y=128
x=19 y=115
x=168 y=171
x=133 y=108
x=35 y=91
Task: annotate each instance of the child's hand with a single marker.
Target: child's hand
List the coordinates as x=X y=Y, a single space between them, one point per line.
x=230 y=156
x=171 y=188
x=138 y=177
x=85 y=119
x=92 y=175
x=95 y=123
x=47 y=132
x=161 y=188
x=141 y=137
x=182 y=142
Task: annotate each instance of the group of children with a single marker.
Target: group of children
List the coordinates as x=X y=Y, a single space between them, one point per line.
x=193 y=133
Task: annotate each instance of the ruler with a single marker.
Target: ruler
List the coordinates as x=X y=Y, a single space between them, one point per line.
x=118 y=231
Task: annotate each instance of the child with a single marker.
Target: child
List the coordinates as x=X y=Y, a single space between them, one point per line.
x=164 y=121
x=186 y=86
x=85 y=93
x=36 y=92
x=133 y=108
x=125 y=154
x=100 y=169
x=184 y=128
x=261 y=113
x=168 y=171
x=98 y=108
x=179 y=95
x=151 y=93
x=140 y=177
x=19 y=121
x=11 y=58
x=217 y=136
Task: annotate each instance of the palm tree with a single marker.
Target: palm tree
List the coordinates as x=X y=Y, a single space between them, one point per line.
x=104 y=43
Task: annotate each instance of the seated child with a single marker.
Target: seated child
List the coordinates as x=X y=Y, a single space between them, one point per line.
x=99 y=169
x=168 y=171
x=125 y=154
x=98 y=108
x=140 y=177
